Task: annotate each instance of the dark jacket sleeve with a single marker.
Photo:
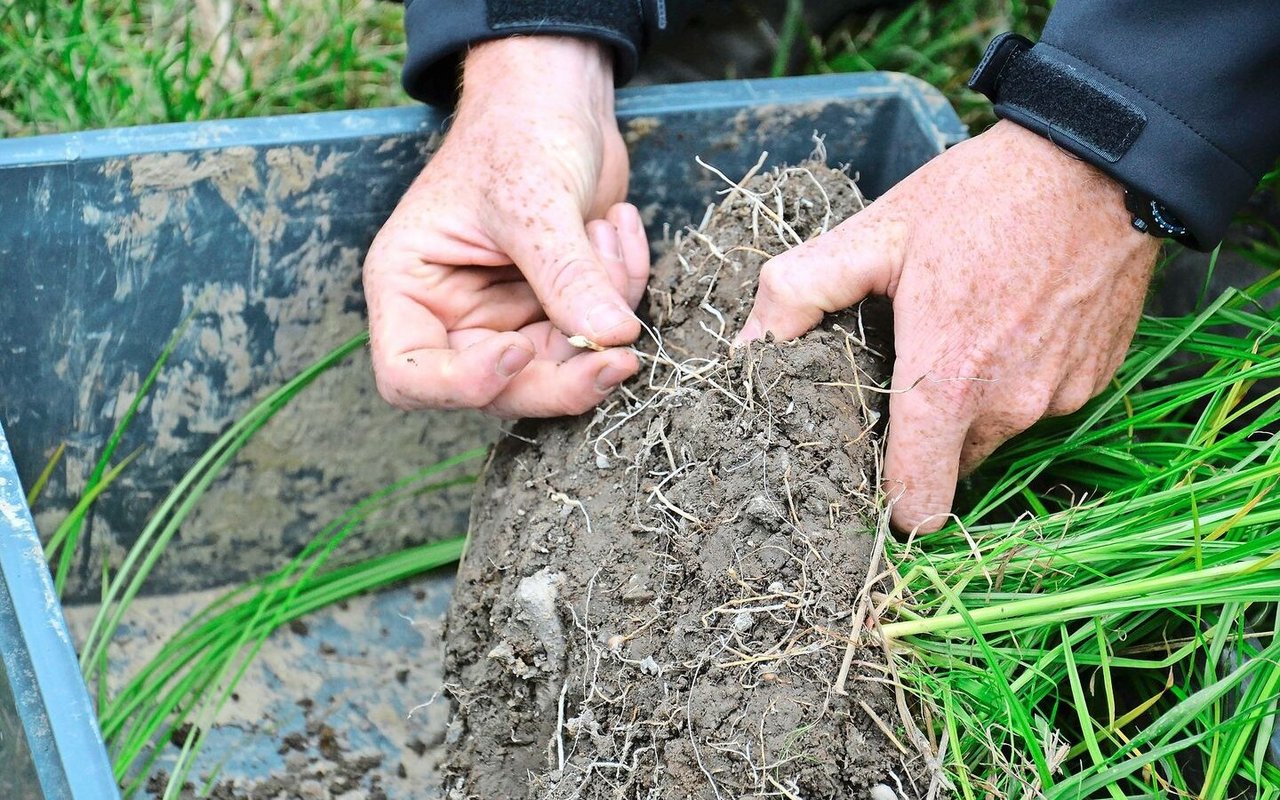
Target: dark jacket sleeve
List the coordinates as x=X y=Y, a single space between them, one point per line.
x=1203 y=79
x=439 y=31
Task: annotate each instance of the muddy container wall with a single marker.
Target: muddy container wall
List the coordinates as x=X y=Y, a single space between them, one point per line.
x=49 y=743
x=252 y=233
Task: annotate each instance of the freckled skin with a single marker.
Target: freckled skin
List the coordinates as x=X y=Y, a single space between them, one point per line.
x=510 y=237
x=1016 y=279
x=1017 y=283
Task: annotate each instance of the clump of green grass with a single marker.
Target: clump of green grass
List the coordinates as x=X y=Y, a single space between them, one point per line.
x=82 y=64
x=1101 y=622
x=939 y=42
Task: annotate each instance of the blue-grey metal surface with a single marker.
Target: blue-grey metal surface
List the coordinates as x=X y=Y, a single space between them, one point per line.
x=60 y=745
x=368 y=670
x=930 y=116
x=18 y=777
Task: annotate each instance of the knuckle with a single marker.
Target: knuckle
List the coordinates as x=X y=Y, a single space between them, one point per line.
x=777 y=282
x=1104 y=382
x=503 y=410
x=1110 y=367
x=467 y=393
x=580 y=403
x=571 y=276
x=393 y=392
x=1026 y=408
x=564 y=405
x=378 y=256
x=1070 y=399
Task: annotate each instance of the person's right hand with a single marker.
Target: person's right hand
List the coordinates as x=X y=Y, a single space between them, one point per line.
x=1017 y=281
x=512 y=239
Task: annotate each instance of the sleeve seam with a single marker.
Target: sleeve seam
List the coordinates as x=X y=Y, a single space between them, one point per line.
x=1157 y=104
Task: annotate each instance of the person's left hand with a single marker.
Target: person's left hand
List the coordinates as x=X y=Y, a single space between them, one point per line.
x=1017 y=282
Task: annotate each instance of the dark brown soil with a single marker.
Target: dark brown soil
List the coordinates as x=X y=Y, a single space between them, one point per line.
x=658 y=600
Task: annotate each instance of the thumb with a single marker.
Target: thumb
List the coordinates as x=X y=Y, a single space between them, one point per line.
x=859 y=257
x=567 y=275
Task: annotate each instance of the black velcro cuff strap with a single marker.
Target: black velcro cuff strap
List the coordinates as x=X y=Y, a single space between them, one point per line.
x=1118 y=129
x=621 y=17
x=1021 y=78
x=1056 y=94
x=439 y=33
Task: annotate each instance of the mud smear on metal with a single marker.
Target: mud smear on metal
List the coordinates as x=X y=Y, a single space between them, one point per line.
x=295 y=297
x=340 y=701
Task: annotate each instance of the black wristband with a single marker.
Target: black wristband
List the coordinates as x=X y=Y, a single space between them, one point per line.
x=440 y=32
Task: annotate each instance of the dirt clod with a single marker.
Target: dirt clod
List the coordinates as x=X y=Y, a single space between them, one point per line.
x=658 y=600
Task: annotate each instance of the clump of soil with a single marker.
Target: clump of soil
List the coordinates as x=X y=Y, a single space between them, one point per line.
x=658 y=601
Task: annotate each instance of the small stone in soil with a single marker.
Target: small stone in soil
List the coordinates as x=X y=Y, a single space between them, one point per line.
x=883 y=792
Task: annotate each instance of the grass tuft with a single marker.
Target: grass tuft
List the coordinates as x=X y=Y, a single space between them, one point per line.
x=1103 y=618
x=940 y=42
x=81 y=64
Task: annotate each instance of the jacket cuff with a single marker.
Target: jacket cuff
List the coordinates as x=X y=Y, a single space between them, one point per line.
x=439 y=33
x=1114 y=126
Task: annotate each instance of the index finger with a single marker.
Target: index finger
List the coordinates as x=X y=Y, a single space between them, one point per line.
x=929 y=420
x=570 y=279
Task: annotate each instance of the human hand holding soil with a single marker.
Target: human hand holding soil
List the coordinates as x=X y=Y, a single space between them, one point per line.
x=1017 y=283
x=512 y=238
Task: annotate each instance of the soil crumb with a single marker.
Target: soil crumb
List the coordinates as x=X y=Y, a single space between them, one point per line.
x=658 y=600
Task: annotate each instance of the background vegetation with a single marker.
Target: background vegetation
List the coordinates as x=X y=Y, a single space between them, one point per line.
x=68 y=66
x=81 y=64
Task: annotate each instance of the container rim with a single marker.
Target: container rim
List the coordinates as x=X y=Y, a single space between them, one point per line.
x=53 y=703
x=927 y=102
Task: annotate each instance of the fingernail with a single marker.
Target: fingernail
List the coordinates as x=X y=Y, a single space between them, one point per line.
x=513 y=360
x=750 y=332
x=605 y=318
x=609 y=377
x=606 y=241
x=631 y=218
x=918 y=521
